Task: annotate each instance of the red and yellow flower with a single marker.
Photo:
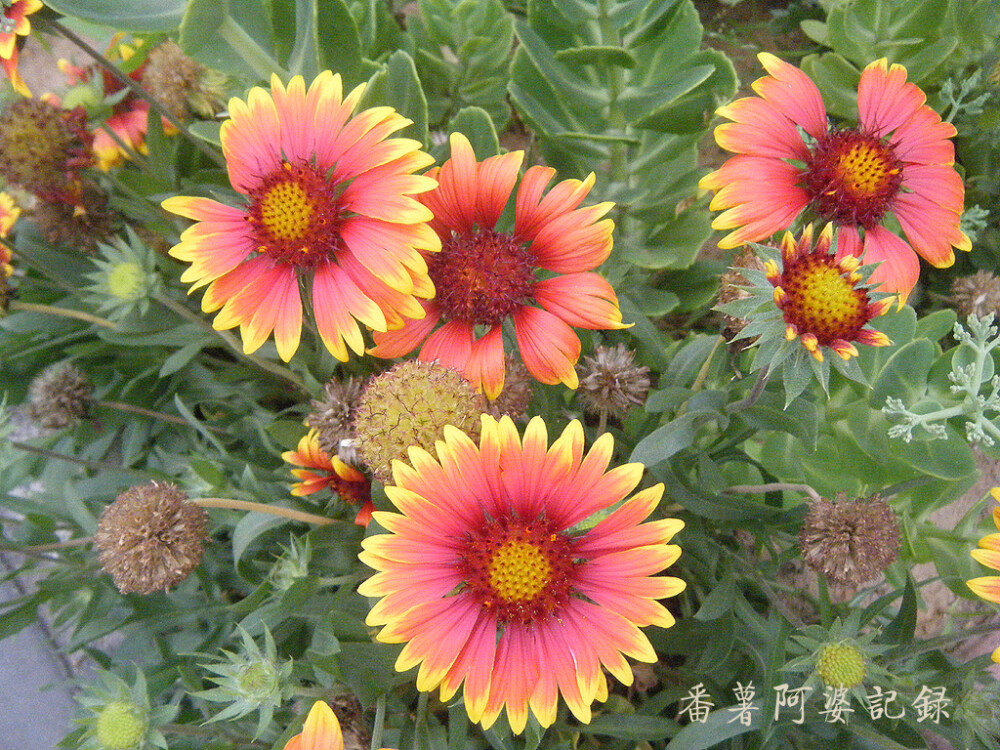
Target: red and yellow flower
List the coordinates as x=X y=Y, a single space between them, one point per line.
x=485 y=276
x=14 y=23
x=328 y=203
x=321 y=471
x=897 y=162
x=988 y=554
x=493 y=576
x=823 y=304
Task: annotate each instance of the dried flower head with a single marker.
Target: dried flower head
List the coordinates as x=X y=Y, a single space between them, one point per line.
x=42 y=147
x=80 y=219
x=611 y=382
x=150 y=538
x=332 y=417
x=184 y=86
x=978 y=294
x=516 y=394
x=409 y=405
x=850 y=542
x=59 y=396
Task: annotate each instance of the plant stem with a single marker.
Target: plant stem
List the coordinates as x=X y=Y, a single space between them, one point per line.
x=53 y=546
x=132 y=409
x=751 y=398
x=61 y=311
x=379 y=723
x=95 y=465
x=138 y=90
x=252 y=53
x=274 y=510
x=282 y=372
x=742 y=489
x=420 y=722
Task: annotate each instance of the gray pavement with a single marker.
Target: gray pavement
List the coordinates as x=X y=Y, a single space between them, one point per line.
x=35 y=704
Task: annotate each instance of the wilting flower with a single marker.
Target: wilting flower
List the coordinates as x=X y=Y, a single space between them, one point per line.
x=14 y=23
x=978 y=294
x=485 y=276
x=122 y=132
x=850 y=542
x=333 y=416
x=327 y=199
x=489 y=581
x=897 y=161
x=988 y=587
x=611 y=382
x=322 y=471
x=150 y=538
x=60 y=396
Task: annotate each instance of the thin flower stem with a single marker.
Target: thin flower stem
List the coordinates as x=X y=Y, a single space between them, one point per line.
x=61 y=311
x=751 y=398
x=132 y=409
x=282 y=372
x=379 y=723
x=759 y=489
x=138 y=90
x=247 y=48
x=95 y=465
x=274 y=510
x=420 y=722
x=51 y=547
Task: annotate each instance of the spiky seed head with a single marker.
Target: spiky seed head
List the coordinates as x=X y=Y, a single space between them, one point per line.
x=150 y=538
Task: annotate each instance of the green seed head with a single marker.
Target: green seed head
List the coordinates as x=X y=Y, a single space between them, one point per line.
x=126 y=281
x=258 y=681
x=122 y=726
x=409 y=405
x=841 y=665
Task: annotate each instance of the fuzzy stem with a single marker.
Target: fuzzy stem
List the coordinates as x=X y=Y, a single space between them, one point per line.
x=282 y=372
x=138 y=90
x=61 y=311
x=739 y=489
x=132 y=409
x=274 y=510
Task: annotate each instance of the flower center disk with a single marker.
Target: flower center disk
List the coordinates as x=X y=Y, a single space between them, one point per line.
x=481 y=276
x=295 y=216
x=822 y=300
x=519 y=569
x=852 y=177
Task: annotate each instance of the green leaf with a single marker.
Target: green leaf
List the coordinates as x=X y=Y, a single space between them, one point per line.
x=207 y=130
x=477 y=125
x=904 y=624
x=134 y=15
x=251 y=526
x=201 y=22
x=719 y=600
x=398 y=85
x=904 y=376
x=837 y=80
x=937 y=324
x=338 y=41
x=950 y=459
x=634 y=727
x=597 y=55
x=716 y=729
